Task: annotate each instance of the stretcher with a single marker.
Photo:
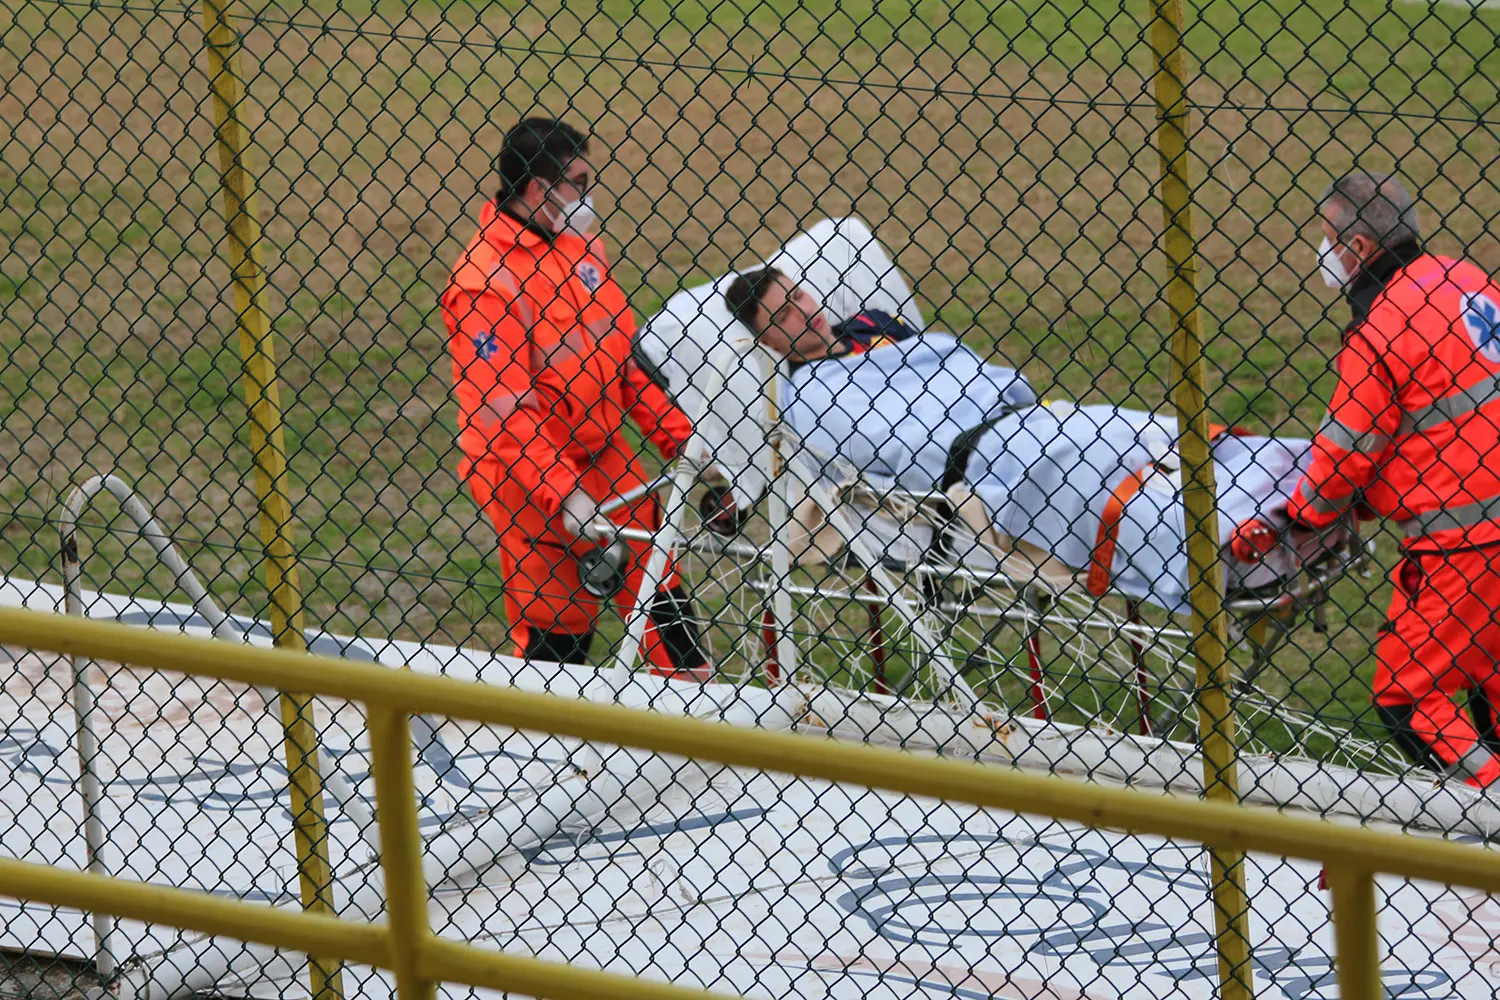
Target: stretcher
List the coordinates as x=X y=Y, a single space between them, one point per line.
x=922 y=593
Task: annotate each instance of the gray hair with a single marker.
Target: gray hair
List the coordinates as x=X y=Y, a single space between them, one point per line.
x=1372 y=205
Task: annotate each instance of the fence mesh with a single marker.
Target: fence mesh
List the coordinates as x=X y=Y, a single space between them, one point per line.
x=920 y=485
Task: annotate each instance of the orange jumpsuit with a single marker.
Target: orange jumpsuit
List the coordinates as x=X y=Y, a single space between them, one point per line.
x=541 y=342
x=1413 y=434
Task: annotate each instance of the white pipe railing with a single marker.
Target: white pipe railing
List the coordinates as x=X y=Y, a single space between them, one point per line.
x=780 y=511
x=663 y=542
x=92 y=782
x=96 y=826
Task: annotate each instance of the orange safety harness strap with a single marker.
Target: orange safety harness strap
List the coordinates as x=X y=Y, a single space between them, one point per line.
x=1101 y=566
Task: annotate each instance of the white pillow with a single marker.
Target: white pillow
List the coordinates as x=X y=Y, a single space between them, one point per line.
x=839 y=261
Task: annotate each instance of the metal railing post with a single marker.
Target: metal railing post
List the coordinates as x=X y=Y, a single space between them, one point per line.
x=664 y=543
x=779 y=510
x=401 y=859
x=96 y=825
x=1355 y=933
x=268 y=447
x=1205 y=575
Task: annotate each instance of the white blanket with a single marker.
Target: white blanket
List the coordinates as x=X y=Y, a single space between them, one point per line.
x=894 y=412
x=839 y=261
x=1046 y=474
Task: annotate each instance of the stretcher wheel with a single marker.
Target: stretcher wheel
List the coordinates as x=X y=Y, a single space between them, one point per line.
x=601 y=570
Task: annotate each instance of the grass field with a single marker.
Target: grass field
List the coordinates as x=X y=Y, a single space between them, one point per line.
x=1002 y=149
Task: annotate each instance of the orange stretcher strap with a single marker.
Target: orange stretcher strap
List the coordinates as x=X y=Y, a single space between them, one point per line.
x=1216 y=431
x=1101 y=566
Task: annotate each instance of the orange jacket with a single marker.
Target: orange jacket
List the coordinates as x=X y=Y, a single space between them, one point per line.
x=1413 y=430
x=541 y=342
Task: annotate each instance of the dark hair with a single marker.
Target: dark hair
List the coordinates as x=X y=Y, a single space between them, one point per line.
x=1372 y=205
x=536 y=148
x=746 y=290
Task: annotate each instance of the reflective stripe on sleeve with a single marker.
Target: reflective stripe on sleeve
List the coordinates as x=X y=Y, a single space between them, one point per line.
x=1449 y=408
x=1346 y=438
x=1322 y=505
x=1474 y=760
x=1452 y=517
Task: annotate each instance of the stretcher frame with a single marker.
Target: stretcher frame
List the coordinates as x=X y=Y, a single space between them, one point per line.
x=1262 y=619
x=781 y=648
x=698 y=353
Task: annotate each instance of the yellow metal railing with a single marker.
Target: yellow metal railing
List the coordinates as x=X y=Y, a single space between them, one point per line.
x=406 y=945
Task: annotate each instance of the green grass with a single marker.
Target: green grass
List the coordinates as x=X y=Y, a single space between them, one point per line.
x=1003 y=150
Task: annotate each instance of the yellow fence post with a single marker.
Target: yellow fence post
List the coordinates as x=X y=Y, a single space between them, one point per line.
x=268 y=447
x=1205 y=576
x=1356 y=933
x=401 y=849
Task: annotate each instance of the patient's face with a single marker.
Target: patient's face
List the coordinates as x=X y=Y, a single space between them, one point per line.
x=792 y=322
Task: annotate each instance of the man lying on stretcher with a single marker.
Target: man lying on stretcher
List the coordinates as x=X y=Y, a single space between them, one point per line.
x=1095 y=487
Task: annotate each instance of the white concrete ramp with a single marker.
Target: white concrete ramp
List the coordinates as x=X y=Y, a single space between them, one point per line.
x=760 y=885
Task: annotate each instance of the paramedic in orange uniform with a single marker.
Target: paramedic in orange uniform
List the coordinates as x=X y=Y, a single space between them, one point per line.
x=541 y=342
x=1413 y=435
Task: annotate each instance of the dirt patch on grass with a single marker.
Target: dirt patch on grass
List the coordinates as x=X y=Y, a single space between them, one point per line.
x=45 y=978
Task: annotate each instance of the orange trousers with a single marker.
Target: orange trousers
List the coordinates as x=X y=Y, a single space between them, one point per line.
x=1442 y=637
x=537 y=560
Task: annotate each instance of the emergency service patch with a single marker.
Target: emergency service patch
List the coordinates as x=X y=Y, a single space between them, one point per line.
x=588 y=273
x=486 y=345
x=1481 y=317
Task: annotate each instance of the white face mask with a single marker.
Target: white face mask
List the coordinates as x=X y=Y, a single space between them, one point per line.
x=1331 y=267
x=577 y=217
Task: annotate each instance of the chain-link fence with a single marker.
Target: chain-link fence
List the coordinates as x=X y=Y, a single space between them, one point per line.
x=901 y=355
